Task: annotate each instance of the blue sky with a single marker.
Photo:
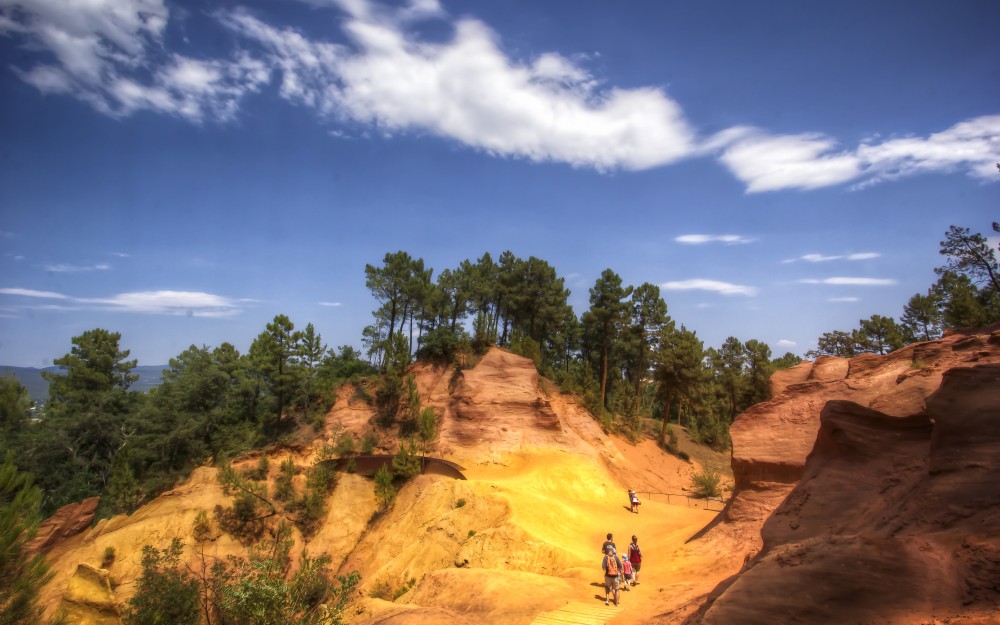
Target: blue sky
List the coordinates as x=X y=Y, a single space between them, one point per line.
x=182 y=172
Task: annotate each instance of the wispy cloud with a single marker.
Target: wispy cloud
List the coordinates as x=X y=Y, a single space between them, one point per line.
x=767 y=162
x=699 y=239
x=330 y=304
x=786 y=343
x=843 y=299
x=820 y=258
x=120 y=254
x=715 y=286
x=843 y=281
x=33 y=293
x=67 y=268
x=172 y=303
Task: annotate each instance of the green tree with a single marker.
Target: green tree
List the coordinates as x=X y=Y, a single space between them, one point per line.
x=15 y=409
x=679 y=370
x=880 y=334
x=310 y=351
x=605 y=317
x=921 y=320
x=21 y=575
x=961 y=303
x=758 y=372
x=273 y=355
x=835 y=343
x=970 y=255
x=648 y=316
x=728 y=363
x=85 y=419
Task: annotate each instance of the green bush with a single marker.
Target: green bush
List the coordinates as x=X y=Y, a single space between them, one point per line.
x=202 y=528
x=428 y=423
x=705 y=483
x=164 y=592
x=283 y=488
x=108 y=558
x=345 y=444
x=369 y=441
x=460 y=503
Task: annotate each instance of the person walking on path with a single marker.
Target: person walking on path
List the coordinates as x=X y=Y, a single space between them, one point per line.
x=626 y=573
x=633 y=500
x=612 y=567
x=610 y=542
x=635 y=558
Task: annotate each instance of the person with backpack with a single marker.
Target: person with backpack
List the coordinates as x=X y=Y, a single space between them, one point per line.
x=635 y=558
x=612 y=567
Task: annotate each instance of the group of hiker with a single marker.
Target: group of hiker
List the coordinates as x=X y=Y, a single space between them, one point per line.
x=620 y=572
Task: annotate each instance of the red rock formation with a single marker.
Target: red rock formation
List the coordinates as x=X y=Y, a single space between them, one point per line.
x=896 y=518
x=68 y=521
x=771 y=440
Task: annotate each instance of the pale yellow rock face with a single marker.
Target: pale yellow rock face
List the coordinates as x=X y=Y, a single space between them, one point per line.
x=88 y=599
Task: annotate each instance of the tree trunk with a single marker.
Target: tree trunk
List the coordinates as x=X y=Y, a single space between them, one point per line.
x=666 y=415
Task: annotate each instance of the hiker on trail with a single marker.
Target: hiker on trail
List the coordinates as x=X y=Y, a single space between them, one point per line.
x=609 y=543
x=626 y=572
x=635 y=559
x=612 y=567
x=633 y=500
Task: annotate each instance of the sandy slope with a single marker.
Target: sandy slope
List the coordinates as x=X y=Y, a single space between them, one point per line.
x=544 y=486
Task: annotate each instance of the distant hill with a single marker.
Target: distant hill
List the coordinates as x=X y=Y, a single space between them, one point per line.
x=38 y=388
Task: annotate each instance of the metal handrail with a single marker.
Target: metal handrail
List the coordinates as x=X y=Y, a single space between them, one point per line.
x=688 y=499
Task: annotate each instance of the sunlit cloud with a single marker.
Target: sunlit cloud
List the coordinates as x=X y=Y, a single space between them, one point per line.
x=715 y=286
x=331 y=304
x=843 y=299
x=786 y=343
x=699 y=239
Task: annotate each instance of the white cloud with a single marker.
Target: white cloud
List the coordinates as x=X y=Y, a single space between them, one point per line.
x=330 y=304
x=820 y=258
x=109 y=54
x=842 y=281
x=698 y=239
x=33 y=293
x=767 y=162
x=786 y=343
x=770 y=162
x=469 y=90
x=67 y=268
x=843 y=299
x=190 y=303
x=544 y=108
x=716 y=286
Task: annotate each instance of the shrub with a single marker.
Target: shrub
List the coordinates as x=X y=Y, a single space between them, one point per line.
x=259 y=472
x=202 y=528
x=405 y=588
x=345 y=444
x=428 y=423
x=460 y=503
x=406 y=463
x=108 y=558
x=384 y=488
x=283 y=488
x=165 y=593
x=380 y=590
x=368 y=442
x=471 y=533
x=705 y=483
